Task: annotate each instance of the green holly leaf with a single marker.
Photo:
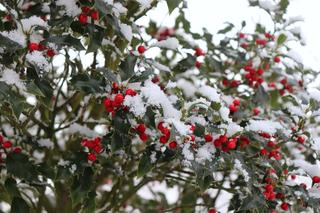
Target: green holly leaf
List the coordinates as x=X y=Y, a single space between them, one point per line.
x=144 y=165
x=19 y=205
x=173 y=4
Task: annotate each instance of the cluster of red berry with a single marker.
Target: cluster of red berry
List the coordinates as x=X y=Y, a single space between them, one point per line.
x=163 y=34
x=166 y=135
x=32 y=46
x=233 y=107
x=141 y=130
x=95 y=147
x=87 y=11
x=7 y=145
x=198 y=52
x=273 y=149
x=115 y=102
x=269 y=190
x=225 y=144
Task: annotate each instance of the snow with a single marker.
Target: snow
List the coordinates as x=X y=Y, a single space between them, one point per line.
x=179 y=126
x=16 y=36
x=294 y=110
x=83 y=130
x=205 y=153
x=119 y=9
x=10 y=77
x=233 y=128
x=209 y=93
x=135 y=104
x=268 y=5
x=314 y=93
x=316 y=145
x=224 y=113
x=267 y=126
x=295 y=56
x=161 y=67
x=187 y=87
x=126 y=31
x=155 y=96
x=46 y=143
x=37 y=58
x=188 y=155
x=32 y=21
x=238 y=166
x=314 y=192
x=144 y=3
x=311 y=169
x=170 y=43
x=70 y=7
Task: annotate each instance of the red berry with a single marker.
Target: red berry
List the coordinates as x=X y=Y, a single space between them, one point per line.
x=51 y=53
x=236 y=102
x=173 y=145
x=115 y=86
x=92 y=157
x=198 y=64
x=98 y=149
x=85 y=9
x=33 y=46
x=231 y=144
x=284 y=206
x=141 y=128
x=268 y=188
x=300 y=139
x=208 y=138
x=233 y=108
x=316 y=179
x=198 y=51
x=83 y=18
x=7 y=144
x=95 y=15
x=141 y=49
x=118 y=99
x=261 y=42
x=160 y=125
x=144 y=137
x=225 y=82
x=212 y=210
x=263 y=152
x=244 y=45
x=107 y=103
x=217 y=143
x=276 y=59
x=17 y=150
x=271 y=144
x=131 y=92
x=260 y=71
x=256 y=111
x=234 y=83
x=242 y=35
x=163 y=139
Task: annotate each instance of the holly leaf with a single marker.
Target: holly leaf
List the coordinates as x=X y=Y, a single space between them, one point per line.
x=127 y=67
x=19 y=205
x=281 y=39
x=173 y=4
x=144 y=165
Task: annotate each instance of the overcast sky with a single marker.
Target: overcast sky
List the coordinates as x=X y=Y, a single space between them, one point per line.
x=211 y=14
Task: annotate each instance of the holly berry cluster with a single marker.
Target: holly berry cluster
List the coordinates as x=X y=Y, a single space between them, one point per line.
x=7 y=146
x=32 y=46
x=88 y=12
x=94 y=146
x=115 y=101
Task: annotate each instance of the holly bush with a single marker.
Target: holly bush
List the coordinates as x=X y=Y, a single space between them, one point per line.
x=88 y=118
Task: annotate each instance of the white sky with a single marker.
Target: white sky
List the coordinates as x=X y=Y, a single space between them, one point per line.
x=211 y=14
